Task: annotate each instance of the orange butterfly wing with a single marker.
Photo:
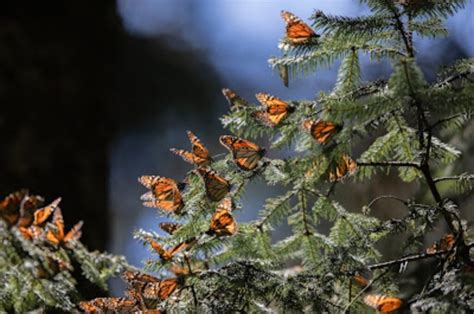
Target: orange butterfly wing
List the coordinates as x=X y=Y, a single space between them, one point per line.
x=321 y=131
x=160 y=290
x=235 y=101
x=27 y=208
x=108 y=305
x=342 y=167
x=170 y=227
x=56 y=236
x=164 y=193
x=187 y=156
x=274 y=109
x=222 y=222
x=445 y=244
x=42 y=214
x=246 y=154
x=297 y=32
x=383 y=304
x=216 y=186
x=75 y=233
x=10 y=206
x=135 y=276
x=200 y=154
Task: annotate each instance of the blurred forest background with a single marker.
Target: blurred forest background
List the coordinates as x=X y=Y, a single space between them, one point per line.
x=94 y=93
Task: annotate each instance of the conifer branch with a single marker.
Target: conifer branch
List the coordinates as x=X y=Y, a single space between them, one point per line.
x=389 y=164
x=454 y=178
x=414 y=257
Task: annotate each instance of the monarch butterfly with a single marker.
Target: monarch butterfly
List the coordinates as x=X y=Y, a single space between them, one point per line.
x=222 y=222
x=107 y=305
x=341 y=167
x=284 y=74
x=360 y=280
x=199 y=155
x=297 y=32
x=58 y=236
x=27 y=208
x=135 y=276
x=445 y=244
x=160 y=290
x=246 y=154
x=216 y=186
x=235 y=101
x=274 y=109
x=10 y=205
x=169 y=227
x=383 y=304
x=321 y=131
x=165 y=193
x=167 y=255
x=31 y=232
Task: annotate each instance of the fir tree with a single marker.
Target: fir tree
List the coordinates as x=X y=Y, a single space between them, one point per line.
x=37 y=257
x=214 y=264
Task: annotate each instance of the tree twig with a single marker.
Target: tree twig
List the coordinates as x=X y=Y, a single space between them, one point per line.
x=388 y=164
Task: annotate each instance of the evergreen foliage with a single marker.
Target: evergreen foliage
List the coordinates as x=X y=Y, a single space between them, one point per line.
x=36 y=270
x=220 y=266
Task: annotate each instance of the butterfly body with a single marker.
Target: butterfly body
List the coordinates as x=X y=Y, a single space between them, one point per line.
x=165 y=193
x=245 y=153
x=216 y=186
x=321 y=131
x=273 y=111
x=297 y=32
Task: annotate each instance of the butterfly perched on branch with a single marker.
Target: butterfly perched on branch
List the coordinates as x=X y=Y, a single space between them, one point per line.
x=169 y=227
x=199 y=155
x=246 y=154
x=222 y=222
x=339 y=168
x=34 y=229
x=273 y=111
x=383 y=304
x=151 y=287
x=109 y=305
x=297 y=31
x=235 y=101
x=216 y=187
x=445 y=244
x=18 y=208
x=167 y=255
x=321 y=131
x=57 y=235
x=165 y=193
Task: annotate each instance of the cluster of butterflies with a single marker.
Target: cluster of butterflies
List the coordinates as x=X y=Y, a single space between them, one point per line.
x=381 y=303
x=274 y=110
x=165 y=193
x=144 y=293
x=388 y=304
x=24 y=211
x=222 y=224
